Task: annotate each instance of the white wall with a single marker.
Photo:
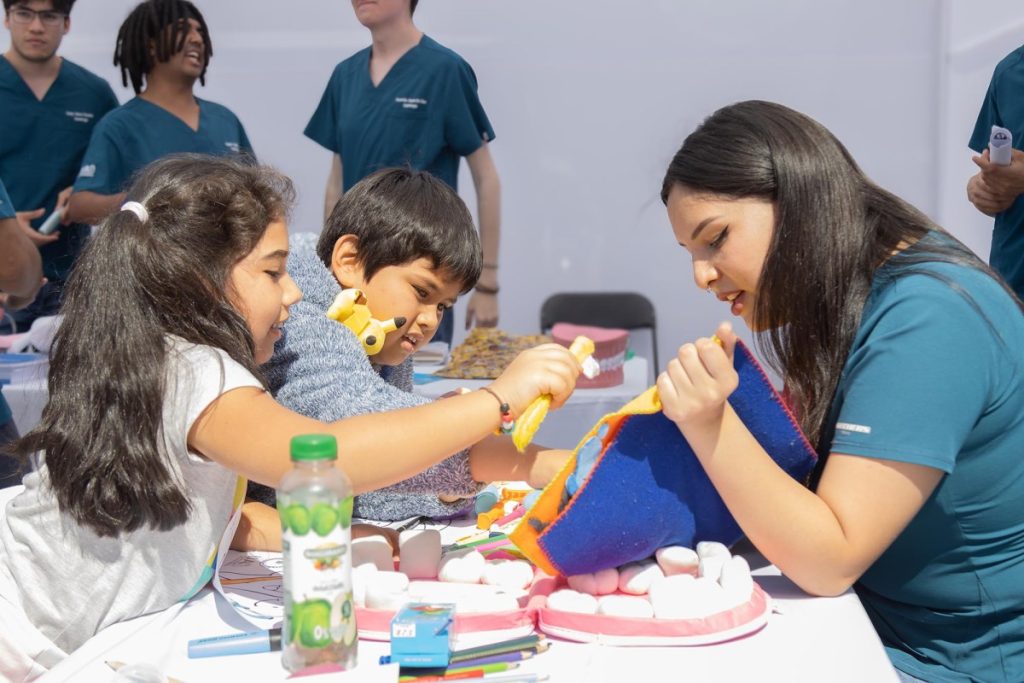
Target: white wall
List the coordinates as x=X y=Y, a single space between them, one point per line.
x=591 y=98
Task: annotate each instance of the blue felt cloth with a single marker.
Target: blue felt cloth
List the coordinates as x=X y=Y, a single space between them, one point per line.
x=648 y=490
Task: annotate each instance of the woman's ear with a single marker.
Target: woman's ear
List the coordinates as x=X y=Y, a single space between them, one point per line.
x=345 y=262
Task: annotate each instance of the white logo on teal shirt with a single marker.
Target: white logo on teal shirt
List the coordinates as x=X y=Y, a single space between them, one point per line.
x=850 y=427
x=80 y=116
x=88 y=171
x=233 y=146
x=411 y=102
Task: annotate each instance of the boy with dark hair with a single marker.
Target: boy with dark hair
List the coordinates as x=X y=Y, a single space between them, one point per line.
x=48 y=109
x=407 y=241
x=408 y=100
x=163 y=48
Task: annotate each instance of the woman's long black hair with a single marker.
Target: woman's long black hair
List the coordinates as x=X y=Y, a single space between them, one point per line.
x=136 y=283
x=833 y=229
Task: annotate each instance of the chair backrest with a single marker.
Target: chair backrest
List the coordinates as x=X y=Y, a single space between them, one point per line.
x=628 y=310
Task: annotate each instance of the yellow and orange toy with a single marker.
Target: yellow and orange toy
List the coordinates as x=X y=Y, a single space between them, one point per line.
x=510 y=495
x=528 y=423
x=349 y=308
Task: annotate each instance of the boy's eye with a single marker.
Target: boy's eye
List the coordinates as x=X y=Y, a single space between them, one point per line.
x=420 y=292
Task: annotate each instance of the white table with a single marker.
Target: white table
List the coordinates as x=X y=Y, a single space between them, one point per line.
x=563 y=428
x=807 y=639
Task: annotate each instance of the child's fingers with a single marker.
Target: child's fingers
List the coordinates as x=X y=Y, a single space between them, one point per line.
x=728 y=338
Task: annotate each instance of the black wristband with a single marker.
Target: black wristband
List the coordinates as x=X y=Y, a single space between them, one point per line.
x=484 y=289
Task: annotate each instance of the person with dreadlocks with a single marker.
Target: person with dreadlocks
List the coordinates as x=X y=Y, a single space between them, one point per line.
x=163 y=48
x=48 y=108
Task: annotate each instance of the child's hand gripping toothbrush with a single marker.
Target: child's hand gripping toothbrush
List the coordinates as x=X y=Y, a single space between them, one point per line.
x=529 y=422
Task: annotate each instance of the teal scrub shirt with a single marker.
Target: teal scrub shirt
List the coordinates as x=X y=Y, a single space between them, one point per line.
x=41 y=148
x=425 y=113
x=139 y=132
x=6 y=211
x=935 y=379
x=1004 y=106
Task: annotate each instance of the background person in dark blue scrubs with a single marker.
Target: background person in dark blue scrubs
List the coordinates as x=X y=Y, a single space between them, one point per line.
x=48 y=108
x=20 y=276
x=163 y=48
x=407 y=100
x=996 y=190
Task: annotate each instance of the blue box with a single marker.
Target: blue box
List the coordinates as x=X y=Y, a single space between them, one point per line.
x=422 y=634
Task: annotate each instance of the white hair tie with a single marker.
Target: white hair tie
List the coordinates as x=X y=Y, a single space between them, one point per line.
x=138 y=209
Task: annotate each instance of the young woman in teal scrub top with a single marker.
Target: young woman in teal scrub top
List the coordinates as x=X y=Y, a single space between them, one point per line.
x=902 y=353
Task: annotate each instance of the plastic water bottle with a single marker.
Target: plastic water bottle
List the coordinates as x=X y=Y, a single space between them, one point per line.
x=315 y=504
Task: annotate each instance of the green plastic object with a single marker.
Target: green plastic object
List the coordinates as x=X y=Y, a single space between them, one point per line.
x=312 y=447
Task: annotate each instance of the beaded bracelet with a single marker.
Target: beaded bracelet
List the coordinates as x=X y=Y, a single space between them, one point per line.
x=508 y=423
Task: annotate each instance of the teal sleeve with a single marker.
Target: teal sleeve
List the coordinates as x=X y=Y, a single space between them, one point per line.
x=988 y=116
x=103 y=170
x=243 y=141
x=466 y=125
x=6 y=207
x=323 y=125
x=914 y=389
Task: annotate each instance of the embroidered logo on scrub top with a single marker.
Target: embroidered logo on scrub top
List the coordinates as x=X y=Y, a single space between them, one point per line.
x=850 y=427
x=233 y=146
x=411 y=102
x=88 y=171
x=80 y=116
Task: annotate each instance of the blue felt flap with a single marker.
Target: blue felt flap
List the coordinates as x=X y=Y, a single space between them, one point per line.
x=648 y=490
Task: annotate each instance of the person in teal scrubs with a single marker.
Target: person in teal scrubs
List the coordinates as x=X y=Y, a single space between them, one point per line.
x=163 y=48
x=407 y=100
x=48 y=108
x=996 y=190
x=21 y=274
x=901 y=351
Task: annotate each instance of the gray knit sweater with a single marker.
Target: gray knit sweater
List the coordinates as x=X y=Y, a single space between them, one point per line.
x=320 y=369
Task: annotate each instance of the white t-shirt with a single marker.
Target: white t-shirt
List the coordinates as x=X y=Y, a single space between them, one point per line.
x=71 y=583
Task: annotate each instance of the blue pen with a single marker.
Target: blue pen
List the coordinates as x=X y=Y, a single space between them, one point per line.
x=236 y=644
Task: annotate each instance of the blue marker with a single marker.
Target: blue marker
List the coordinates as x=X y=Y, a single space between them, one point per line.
x=236 y=644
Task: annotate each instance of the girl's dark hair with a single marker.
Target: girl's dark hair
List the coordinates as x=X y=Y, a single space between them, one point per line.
x=400 y=215
x=833 y=229
x=160 y=25
x=136 y=283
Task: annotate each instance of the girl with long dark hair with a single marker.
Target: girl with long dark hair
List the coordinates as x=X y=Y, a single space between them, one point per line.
x=902 y=354
x=158 y=412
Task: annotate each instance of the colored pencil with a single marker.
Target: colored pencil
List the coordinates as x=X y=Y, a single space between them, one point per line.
x=508 y=678
x=473 y=544
x=457 y=672
x=514 y=656
x=525 y=643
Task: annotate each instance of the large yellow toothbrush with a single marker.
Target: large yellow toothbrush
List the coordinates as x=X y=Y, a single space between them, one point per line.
x=528 y=423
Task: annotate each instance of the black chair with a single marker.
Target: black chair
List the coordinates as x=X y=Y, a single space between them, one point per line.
x=627 y=310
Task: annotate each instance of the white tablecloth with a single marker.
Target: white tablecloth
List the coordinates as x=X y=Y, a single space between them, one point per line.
x=807 y=639
x=565 y=427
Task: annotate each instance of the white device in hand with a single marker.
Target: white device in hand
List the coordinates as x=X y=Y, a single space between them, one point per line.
x=1000 y=146
x=50 y=224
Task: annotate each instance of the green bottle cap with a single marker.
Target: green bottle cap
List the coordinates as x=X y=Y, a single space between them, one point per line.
x=306 y=447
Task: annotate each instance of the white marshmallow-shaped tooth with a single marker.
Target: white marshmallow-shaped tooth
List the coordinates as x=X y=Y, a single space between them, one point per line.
x=601 y=582
x=387 y=590
x=684 y=597
x=567 y=600
x=736 y=580
x=711 y=567
x=419 y=553
x=625 y=606
x=360 y=579
x=510 y=574
x=712 y=549
x=462 y=566
x=374 y=549
x=677 y=559
x=636 y=578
